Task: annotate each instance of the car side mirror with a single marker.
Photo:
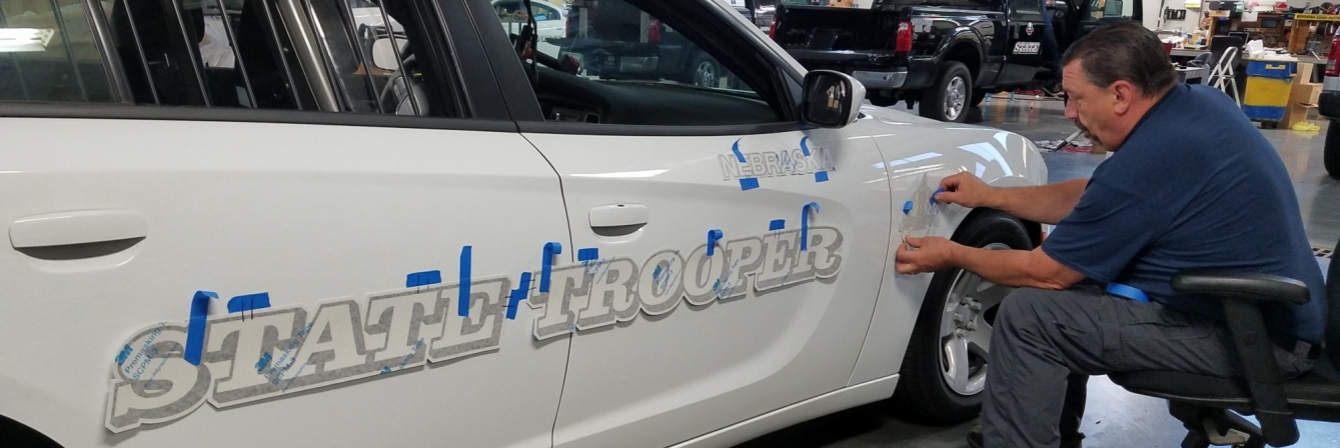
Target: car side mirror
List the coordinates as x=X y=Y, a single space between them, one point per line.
x=832 y=99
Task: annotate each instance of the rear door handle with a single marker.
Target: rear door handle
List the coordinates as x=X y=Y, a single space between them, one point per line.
x=86 y=228
x=618 y=219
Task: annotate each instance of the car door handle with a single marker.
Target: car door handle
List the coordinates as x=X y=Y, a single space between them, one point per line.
x=93 y=232
x=618 y=219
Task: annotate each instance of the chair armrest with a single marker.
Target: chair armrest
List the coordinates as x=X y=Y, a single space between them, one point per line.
x=1239 y=285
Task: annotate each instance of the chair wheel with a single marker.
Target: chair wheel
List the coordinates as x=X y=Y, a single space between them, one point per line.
x=1196 y=440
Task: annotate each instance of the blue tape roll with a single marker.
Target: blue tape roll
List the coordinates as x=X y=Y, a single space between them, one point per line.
x=805 y=224
x=713 y=236
x=1128 y=292
x=547 y=264
x=463 y=290
x=195 y=327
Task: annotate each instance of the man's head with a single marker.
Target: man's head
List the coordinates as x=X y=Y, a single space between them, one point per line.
x=1112 y=77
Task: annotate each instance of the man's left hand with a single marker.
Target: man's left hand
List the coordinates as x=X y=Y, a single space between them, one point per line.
x=927 y=254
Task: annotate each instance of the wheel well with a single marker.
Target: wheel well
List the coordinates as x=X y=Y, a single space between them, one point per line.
x=1034 y=229
x=965 y=53
x=17 y=434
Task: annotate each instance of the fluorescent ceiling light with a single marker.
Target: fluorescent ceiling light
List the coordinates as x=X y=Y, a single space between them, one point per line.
x=13 y=40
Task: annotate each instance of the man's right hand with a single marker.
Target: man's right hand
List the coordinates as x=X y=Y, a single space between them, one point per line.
x=967 y=190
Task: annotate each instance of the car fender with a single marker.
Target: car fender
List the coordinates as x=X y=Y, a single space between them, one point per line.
x=1000 y=158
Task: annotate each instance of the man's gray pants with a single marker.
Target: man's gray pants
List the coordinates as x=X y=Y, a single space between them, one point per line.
x=1040 y=337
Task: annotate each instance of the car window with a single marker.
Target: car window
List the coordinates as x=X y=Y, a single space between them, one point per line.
x=639 y=57
x=47 y=53
x=239 y=53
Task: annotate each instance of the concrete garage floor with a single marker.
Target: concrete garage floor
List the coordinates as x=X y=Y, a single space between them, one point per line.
x=1115 y=418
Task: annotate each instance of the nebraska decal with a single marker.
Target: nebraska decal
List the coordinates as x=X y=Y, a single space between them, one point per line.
x=277 y=351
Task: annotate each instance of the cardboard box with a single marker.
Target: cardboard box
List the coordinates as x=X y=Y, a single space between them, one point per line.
x=1305 y=92
x=1295 y=113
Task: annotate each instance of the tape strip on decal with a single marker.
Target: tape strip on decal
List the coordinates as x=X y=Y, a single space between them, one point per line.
x=463 y=299
x=195 y=330
x=805 y=224
x=713 y=236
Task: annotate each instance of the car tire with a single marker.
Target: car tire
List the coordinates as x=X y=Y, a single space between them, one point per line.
x=1331 y=152
x=947 y=100
x=704 y=71
x=933 y=388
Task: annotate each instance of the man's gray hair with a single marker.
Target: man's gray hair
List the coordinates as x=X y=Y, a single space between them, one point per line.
x=1124 y=51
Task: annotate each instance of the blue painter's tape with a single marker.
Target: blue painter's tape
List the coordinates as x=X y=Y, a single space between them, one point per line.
x=748 y=183
x=713 y=236
x=907 y=207
x=821 y=176
x=777 y=224
x=805 y=149
x=656 y=273
x=805 y=224
x=735 y=148
x=249 y=302
x=1128 y=292
x=518 y=295
x=195 y=328
x=424 y=278
x=463 y=296
x=937 y=192
x=588 y=254
x=547 y=264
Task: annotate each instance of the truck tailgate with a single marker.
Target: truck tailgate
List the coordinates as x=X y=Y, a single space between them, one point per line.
x=836 y=29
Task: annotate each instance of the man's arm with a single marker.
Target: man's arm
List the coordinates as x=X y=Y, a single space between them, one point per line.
x=1046 y=204
x=1015 y=268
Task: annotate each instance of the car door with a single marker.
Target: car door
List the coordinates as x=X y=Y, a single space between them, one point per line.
x=319 y=276
x=728 y=259
x=1023 y=47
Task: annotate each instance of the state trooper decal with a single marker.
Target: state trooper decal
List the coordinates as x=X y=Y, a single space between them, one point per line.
x=277 y=351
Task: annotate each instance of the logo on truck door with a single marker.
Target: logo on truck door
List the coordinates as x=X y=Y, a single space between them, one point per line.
x=283 y=350
x=1027 y=47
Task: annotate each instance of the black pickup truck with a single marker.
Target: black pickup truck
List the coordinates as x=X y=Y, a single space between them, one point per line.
x=945 y=54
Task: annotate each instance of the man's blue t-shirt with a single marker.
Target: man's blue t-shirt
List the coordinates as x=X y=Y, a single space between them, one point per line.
x=1194 y=186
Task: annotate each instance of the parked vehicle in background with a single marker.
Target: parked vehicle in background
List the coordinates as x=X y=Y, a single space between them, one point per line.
x=944 y=54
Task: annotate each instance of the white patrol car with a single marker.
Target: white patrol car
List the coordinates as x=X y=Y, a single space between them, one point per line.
x=457 y=246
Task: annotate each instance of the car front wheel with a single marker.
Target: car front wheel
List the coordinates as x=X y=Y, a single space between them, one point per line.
x=944 y=371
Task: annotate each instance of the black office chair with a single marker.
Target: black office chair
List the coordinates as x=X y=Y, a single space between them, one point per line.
x=1200 y=401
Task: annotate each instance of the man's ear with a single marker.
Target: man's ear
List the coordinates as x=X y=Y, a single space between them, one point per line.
x=1123 y=94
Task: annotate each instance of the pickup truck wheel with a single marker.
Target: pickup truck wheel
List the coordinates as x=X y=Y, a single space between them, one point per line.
x=1331 y=152
x=948 y=98
x=944 y=370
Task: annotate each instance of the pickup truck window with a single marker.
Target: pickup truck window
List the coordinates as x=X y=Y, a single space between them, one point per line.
x=48 y=54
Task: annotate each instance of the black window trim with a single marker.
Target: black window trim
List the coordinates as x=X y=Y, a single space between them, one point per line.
x=554 y=127
x=102 y=38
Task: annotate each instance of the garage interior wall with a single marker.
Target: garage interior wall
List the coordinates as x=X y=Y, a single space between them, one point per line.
x=1154 y=13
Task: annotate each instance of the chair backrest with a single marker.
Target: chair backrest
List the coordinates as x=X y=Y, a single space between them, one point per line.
x=1333 y=323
